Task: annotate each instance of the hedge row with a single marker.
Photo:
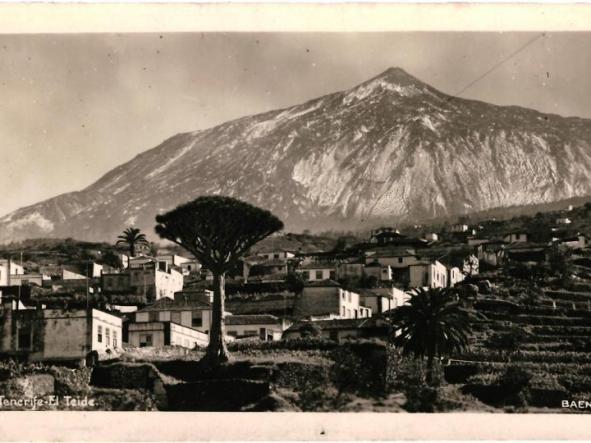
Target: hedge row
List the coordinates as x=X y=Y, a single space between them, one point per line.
x=528 y=356
x=562 y=330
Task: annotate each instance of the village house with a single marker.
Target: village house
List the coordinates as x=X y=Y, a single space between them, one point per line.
x=530 y=252
x=492 y=253
x=186 y=265
x=378 y=271
x=384 y=236
x=9 y=268
x=192 y=312
x=53 y=335
x=165 y=333
x=28 y=279
x=351 y=269
x=263 y=326
x=428 y=274
x=393 y=257
x=150 y=279
x=318 y=271
x=327 y=298
x=516 y=237
x=563 y=221
x=184 y=321
x=459 y=228
x=262 y=265
x=340 y=329
x=571 y=240
x=431 y=237
x=277 y=255
x=380 y=300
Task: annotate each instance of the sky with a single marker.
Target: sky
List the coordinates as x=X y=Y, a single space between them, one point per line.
x=74 y=106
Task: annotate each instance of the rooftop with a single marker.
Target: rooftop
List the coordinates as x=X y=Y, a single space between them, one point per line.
x=167 y=304
x=322 y=284
x=262 y=319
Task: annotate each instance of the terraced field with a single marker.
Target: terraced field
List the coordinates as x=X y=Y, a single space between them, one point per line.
x=548 y=344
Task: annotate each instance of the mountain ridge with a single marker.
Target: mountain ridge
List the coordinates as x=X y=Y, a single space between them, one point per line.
x=391 y=149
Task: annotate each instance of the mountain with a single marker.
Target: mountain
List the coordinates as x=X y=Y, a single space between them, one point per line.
x=391 y=149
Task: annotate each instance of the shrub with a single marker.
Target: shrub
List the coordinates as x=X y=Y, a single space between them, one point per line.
x=507 y=389
x=459 y=373
x=292 y=344
x=421 y=398
x=360 y=367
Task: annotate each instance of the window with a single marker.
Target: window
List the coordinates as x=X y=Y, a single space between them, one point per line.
x=275 y=255
x=108 y=336
x=400 y=259
x=153 y=316
x=332 y=275
x=343 y=311
x=24 y=338
x=115 y=344
x=197 y=319
x=318 y=275
x=145 y=340
x=99 y=333
x=251 y=333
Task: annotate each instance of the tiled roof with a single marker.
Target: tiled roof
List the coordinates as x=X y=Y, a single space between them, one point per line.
x=322 y=284
x=392 y=252
x=262 y=319
x=318 y=265
x=167 y=304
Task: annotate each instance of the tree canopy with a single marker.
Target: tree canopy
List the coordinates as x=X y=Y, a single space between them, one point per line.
x=132 y=237
x=217 y=230
x=432 y=324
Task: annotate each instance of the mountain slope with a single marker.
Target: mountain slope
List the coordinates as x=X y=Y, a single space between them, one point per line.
x=392 y=148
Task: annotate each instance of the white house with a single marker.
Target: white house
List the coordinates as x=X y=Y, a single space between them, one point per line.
x=431 y=236
x=563 y=221
x=9 y=268
x=265 y=327
x=327 y=299
x=397 y=258
x=318 y=271
x=459 y=228
x=279 y=254
x=80 y=335
x=432 y=274
x=379 y=271
x=380 y=300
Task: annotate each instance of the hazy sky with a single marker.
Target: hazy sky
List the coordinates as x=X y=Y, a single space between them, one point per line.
x=75 y=106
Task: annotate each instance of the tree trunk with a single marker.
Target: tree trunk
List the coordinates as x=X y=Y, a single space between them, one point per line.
x=217 y=352
x=429 y=371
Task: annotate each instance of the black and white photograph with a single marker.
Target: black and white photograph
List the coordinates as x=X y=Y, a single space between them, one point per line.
x=387 y=222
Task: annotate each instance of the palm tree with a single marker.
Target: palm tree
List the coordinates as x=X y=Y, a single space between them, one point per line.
x=432 y=324
x=132 y=237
